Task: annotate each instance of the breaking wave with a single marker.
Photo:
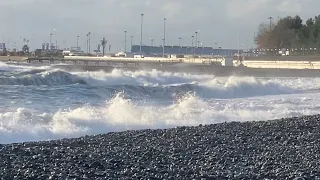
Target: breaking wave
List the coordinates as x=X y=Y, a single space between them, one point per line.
x=40 y=104
x=121 y=113
x=154 y=83
x=34 y=78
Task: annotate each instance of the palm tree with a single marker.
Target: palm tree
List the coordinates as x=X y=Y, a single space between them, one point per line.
x=103 y=44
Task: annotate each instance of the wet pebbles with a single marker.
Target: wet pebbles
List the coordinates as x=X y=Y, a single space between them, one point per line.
x=281 y=149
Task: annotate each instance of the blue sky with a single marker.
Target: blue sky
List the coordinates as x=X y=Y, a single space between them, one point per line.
x=216 y=20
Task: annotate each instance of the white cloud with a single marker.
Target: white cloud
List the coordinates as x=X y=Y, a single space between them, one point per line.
x=289 y=6
x=239 y=9
x=110 y=18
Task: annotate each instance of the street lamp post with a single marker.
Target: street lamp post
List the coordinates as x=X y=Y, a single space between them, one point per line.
x=90 y=42
x=270 y=19
x=78 y=42
x=87 y=43
x=125 y=41
x=238 y=45
x=196 y=39
x=192 y=48
x=151 y=40
x=180 y=44
x=141 y=33
x=131 y=40
x=50 y=41
x=164 y=36
x=163 y=45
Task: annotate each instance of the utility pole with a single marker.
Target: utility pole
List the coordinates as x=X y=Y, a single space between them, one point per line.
x=125 y=41
x=141 y=34
x=164 y=36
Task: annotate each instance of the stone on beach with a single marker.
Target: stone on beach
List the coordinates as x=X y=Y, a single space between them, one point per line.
x=279 y=149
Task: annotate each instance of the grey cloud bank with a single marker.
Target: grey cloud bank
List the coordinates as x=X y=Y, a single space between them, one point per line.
x=218 y=20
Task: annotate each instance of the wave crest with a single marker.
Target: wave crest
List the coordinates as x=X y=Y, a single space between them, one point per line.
x=35 y=78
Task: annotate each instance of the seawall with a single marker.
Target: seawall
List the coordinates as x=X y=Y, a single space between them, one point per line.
x=282 y=62
x=13 y=58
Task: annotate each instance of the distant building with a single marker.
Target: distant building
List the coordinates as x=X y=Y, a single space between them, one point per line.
x=188 y=50
x=3 y=47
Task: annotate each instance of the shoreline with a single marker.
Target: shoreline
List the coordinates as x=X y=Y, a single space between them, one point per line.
x=275 y=149
x=193 y=68
x=222 y=71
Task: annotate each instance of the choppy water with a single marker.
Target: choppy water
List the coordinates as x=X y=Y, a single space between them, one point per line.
x=42 y=103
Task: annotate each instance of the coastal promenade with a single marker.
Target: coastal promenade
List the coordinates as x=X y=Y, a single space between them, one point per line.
x=283 y=62
x=126 y=62
x=13 y=58
x=262 y=62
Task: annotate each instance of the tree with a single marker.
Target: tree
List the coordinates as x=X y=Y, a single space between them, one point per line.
x=103 y=44
x=262 y=36
x=290 y=32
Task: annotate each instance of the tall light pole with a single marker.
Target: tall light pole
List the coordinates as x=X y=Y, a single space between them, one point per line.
x=78 y=42
x=270 y=19
x=50 y=41
x=180 y=44
x=164 y=36
x=151 y=40
x=141 y=33
x=196 y=39
x=192 y=48
x=89 y=42
x=163 y=46
x=125 y=41
x=131 y=39
x=238 y=45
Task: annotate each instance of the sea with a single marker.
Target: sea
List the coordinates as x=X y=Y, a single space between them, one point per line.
x=40 y=103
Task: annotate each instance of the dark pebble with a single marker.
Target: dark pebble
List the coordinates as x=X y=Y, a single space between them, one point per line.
x=279 y=149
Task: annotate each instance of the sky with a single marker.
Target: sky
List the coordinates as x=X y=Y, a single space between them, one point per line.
x=217 y=21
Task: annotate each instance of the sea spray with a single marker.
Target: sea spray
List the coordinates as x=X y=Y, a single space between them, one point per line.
x=42 y=104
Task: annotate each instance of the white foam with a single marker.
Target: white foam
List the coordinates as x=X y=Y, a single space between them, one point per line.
x=20 y=68
x=207 y=86
x=121 y=114
x=213 y=101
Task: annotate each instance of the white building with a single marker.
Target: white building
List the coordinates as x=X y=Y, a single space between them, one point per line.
x=2 y=47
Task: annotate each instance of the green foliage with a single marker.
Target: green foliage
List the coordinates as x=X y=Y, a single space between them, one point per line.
x=291 y=33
